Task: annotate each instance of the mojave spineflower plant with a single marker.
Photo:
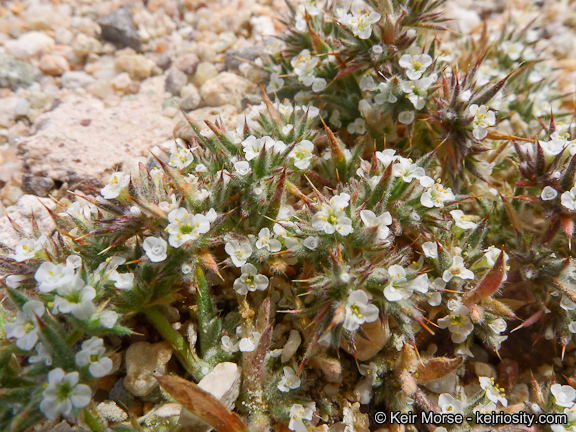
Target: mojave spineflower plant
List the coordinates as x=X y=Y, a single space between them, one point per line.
x=63 y=394
x=358 y=311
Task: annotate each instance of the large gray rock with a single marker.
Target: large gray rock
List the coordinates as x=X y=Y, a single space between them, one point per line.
x=40 y=186
x=118 y=27
x=64 y=149
x=15 y=73
x=175 y=80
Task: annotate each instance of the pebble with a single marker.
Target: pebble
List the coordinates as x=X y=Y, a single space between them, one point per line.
x=112 y=412
x=63 y=36
x=84 y=45
x=121 y=82
x=40 y=17
x=29 y=45
x=35 y=185
x=10 y=194
x=175 y=81
x=225 y=40
x=142 y=360
x=77 y=79
x=118 y=27
x=137 y=66
x=190 y=97
x=204 y=72
x=484 y=370
x=187 y=63
x=377 y=333
x=223 y=382
x=291 y=346
x=53 y=65
x=226 y=88
x=15 y=73
x=232 y=57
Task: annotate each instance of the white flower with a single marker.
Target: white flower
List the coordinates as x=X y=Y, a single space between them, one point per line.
x=415 y=65
x=399 y=288
x=564 y=395
x=548 y=193
x=180 y=158
x=302 y=154
x=75 y=298
x=184 y=226
x=239 y=252
x=458 y=323
x=122 y=280
x=52 y=276
x=335 y=119
x=407 y=170
x=513 y=49
x=448 y=404
x=483 y=118
x=361 y=23
x=92 y=355
x=274 y=45
x=106 y=319
x=311 y=242
x=116 y=185
x=248 y=344
x=43 y=355
x=265 y=241
x=462 y=221
x=318 y=84
x=417 y=90
x=493 y=392
x=25 y=328
x=276 y=83
x=330 y=221
x=569 y=199
x=250 y=280
x=435 y=194
x=386 y=94
x=289 y=381
x=430 y=250
x=229 y=344
x=387 y=157
x=155 y=248
x=242 y=167
x=299 y=413
x=63 y=394
x=567 y=304
x=252 y=147
x=358 y=311
x=406 y=117
x=358 y=126
x=304 y=65
x=457 y=270
x=498 y=325
x=369 y=218
x=26 y=249
x=492 y=253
